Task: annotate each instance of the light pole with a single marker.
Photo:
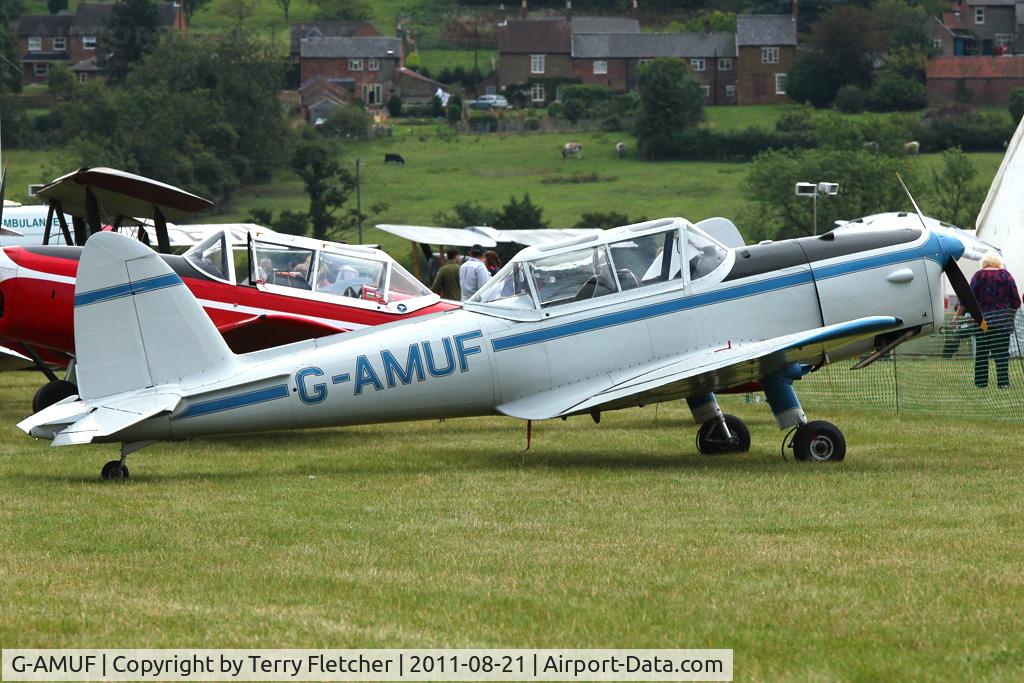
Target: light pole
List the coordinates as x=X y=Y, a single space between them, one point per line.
x=814 y=190
x=359 y=205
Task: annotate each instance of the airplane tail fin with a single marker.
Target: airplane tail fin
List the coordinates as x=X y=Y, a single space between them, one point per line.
x=137 y=325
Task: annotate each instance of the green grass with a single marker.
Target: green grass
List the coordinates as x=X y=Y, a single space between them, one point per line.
x=901 y=563
x=733 y=118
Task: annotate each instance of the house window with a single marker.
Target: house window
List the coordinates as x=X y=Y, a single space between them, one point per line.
x=490 y=90
x=35 y=44
x=769 y=55
x=600 y=67
x=706 y=89
x=83 y=77
x=41 y=68
x=372 y=95
x=537 y=92
x=937 y=44
x=780 y=84
x=730 y=91
x=88 y=42
x=725 y=64
x=1005 y=39
x=697 y=64
x=979 y=15
x=60 y=44
x=373 y=65
x=355 y=65
x=641 y=62
x=536 y=64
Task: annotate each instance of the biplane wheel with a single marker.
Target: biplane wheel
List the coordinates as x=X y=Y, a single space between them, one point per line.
x=114 y=470
x=819 y=441
x=52 y=392
x=711 y=440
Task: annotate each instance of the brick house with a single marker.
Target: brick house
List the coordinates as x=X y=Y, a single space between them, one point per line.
x=976 y=79
x=985 y=27
x=537 y=52
x=766 y=47
x=72 y=39
x=371 y=63
x=612 y=59
x=946 y=40
x=328 y=29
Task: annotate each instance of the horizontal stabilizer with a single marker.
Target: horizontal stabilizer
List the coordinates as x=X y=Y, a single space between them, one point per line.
x=76 y=422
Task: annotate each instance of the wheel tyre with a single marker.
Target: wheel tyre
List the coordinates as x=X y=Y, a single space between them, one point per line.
x=819 y=441
x=52 y=392
x=710 y=441
x=114 y=470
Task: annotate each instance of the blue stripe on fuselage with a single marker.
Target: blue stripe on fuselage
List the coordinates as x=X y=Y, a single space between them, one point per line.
x=237 y=401
x=926 y=250
x=127 y=289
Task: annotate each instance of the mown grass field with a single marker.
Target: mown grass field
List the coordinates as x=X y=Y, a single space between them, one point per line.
x=903 y=562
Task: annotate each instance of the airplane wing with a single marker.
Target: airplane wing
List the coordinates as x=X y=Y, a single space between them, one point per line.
x=273 y=329
x=699 y=372
x=12 y=360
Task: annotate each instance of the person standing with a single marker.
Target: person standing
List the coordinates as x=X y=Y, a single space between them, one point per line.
x=492 y=261
x=447 y=281
x=473 y=273
x=998 y=298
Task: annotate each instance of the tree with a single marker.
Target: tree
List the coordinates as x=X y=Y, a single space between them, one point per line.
x=131 y=33
x=343 y=10
x=867 y=184
x=466 y=213
x=56 y=6
x=10 y=64
x=602 y=221
x=956 y=197
x=1017 y=105
x=239 y=10
x=671 y=100
x=287 y=221
x=328 y=183
x=285 y=5
x=348 y=121
x=414 y=62
x=61 y=81
x=192 y=6
x=804 y=79
x=521 y=214
x=394 y=106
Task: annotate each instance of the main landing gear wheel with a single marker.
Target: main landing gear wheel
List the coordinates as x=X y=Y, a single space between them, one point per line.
x=819 y=441
x=114 y=469
x=711 y=440
x=52 y=392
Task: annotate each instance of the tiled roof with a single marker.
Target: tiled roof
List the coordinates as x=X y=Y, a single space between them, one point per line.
x=976 y=67
x=342 y=48
x=765 y=29
x=526 y=36
x=44 y=25
x=332 y=29
x=650 y=45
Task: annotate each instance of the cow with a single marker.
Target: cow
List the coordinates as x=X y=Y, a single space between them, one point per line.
x=912 y=147
x=620 y=147
x=572 y=149
x=394 y=158
x=871 y=146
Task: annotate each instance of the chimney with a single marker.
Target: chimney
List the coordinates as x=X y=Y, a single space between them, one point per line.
x=522 y=10
x=707 y=24
x=796 y=13
x=635 y=12
x=568 y=10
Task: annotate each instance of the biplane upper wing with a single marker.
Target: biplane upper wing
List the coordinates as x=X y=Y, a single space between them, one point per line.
x=275 y=329
x=698 y=372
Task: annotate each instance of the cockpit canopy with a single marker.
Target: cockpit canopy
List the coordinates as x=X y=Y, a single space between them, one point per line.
x=306 y=267
x=627 y=258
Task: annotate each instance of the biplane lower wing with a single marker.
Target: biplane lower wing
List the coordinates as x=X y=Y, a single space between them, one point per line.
x=700 y=372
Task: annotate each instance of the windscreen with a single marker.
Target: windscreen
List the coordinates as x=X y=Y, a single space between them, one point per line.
x=210 y=256
x=509 y=288
x=284 y=266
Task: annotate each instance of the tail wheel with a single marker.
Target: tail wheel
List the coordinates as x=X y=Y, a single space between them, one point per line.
x=114 y=470
x=52 y=392
x=819 y=441
x=711 y=439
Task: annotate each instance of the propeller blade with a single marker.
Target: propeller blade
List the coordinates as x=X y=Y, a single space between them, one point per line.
x=963 y=292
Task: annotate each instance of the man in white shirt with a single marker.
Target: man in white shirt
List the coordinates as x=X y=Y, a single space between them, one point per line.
x=473 y=273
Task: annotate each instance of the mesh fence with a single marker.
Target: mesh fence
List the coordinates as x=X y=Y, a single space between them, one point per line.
x=952 y=372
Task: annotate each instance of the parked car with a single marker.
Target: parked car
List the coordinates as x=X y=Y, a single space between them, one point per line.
x=490 y=102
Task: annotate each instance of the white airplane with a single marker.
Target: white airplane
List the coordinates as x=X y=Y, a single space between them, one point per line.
x=644 y=313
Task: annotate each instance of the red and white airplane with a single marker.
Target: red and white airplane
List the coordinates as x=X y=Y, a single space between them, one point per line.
x=260 y=288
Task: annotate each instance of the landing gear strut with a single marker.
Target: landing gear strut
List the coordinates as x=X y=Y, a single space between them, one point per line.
x=818 y=441
x=719 y=433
